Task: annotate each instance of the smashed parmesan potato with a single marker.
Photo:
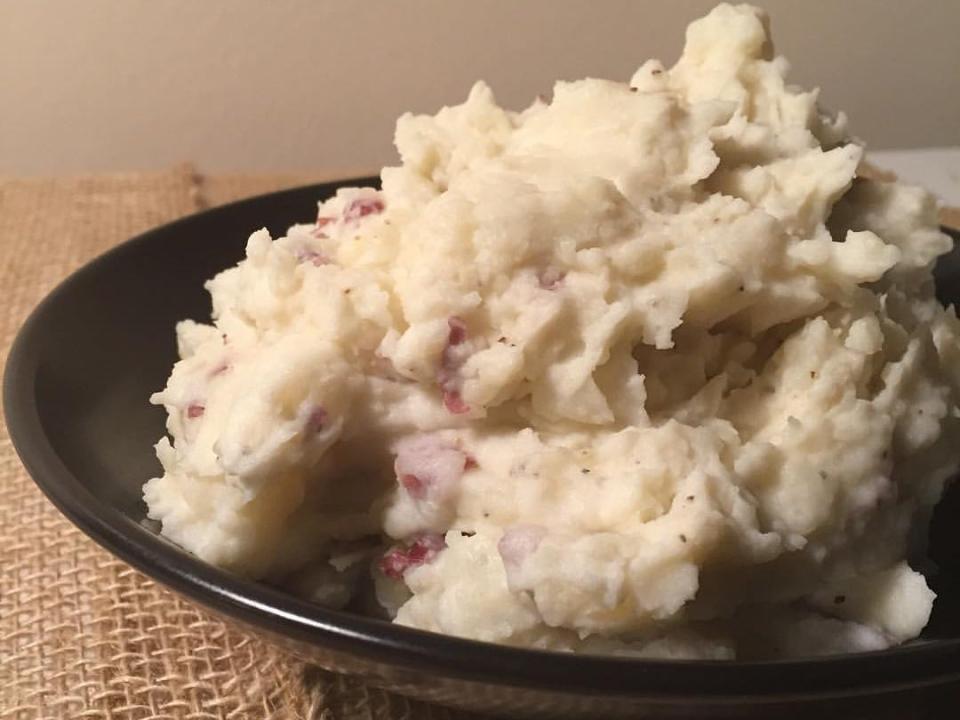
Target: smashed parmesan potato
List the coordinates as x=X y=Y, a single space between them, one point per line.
x=643 y=370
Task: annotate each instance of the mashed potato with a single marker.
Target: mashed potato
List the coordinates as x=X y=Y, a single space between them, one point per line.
x=645 y=369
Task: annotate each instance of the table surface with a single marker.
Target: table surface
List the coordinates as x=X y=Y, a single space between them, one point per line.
x=937 y=169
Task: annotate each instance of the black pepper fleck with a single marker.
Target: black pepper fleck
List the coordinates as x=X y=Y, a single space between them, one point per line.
x=840 y=599
x=585 y=471
x=690 y=498
x=683 y=538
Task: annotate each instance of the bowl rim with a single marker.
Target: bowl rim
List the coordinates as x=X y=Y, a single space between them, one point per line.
x=929 y=662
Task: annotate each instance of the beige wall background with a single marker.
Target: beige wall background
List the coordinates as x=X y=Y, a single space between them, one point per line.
x=236 y=85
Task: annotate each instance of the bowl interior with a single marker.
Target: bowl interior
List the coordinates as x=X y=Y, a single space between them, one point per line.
x=76 y=394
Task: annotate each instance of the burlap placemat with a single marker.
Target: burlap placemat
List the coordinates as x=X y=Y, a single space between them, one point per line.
x=83 y=635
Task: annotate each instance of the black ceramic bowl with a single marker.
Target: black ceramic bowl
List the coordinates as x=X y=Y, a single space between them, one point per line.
x=75 y=396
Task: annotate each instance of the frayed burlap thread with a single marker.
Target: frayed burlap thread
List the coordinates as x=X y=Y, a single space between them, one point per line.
x=82 y=634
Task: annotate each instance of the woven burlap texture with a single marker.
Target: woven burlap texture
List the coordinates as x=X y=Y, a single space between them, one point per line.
x=83 y=635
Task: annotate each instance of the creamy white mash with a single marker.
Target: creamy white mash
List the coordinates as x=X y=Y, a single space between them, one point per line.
x=645 y=369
